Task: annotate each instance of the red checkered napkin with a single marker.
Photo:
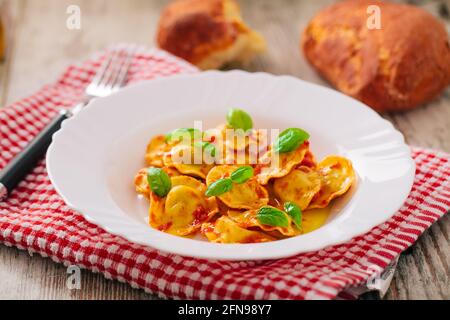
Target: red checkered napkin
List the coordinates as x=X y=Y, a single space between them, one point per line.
x=35 y=218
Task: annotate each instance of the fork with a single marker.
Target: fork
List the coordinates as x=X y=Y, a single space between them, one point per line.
x=111 y=76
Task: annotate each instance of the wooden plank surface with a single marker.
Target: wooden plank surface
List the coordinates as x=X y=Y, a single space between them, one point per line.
x=42 y=46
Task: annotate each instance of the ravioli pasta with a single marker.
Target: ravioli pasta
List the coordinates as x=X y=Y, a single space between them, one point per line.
x=248 y=195
x=184 y=209
x=242 y=188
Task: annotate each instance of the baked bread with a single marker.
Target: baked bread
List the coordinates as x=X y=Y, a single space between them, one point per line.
x=207 y=33
x=400 y=66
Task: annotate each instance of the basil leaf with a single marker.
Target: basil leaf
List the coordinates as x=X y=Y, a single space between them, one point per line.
x=290 y=139
x=294 y=212
x=159 y=181
x=207 y=146
x=239 y=119
x=242 y=174
x=219 y=187
x=272 y=217
x=180 y=134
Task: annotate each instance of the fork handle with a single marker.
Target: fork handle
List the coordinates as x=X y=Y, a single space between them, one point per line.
x=23 y=162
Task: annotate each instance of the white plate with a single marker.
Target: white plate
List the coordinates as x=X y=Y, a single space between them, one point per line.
x=94 y=157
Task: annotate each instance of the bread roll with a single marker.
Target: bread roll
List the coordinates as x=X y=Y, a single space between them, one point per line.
x=207 y=33
x=400 y=66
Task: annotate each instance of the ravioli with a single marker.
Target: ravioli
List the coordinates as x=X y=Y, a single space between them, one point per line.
x=268 y=169
x=241 y=158
x=155 y=151
x=248 y=219
x=299 y=186
x=257 y=145
x=309 y=160
x=141 y=184
x=181 y=157
x=237 y=141
x=225 y=230
x=241 y=141
x=240 y=148
x=248 y=195
x=231 y=216
x=337 y=176
x=188 y=181
x=217 y=136
x=184 y=209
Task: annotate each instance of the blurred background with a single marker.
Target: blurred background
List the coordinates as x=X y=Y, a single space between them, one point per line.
x=39 y=45
x=39 y=36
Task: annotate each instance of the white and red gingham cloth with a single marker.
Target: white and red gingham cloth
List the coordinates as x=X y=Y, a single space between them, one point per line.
x=36 y=219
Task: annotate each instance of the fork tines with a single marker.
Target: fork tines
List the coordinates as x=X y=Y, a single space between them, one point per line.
x=113 y=72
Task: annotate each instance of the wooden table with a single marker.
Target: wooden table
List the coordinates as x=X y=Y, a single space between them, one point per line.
x=42 y=46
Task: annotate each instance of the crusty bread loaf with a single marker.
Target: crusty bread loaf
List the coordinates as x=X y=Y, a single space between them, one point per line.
x=207 y=33
x=400 y=66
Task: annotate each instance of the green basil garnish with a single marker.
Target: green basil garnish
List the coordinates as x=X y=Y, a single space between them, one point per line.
x=219 y=187
x=294 y=212
x=183 y=134
x=272 y=217
x=159 y=181
x=290 y=139
x=239 y=119
x=242 y=174
x=206 y=146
